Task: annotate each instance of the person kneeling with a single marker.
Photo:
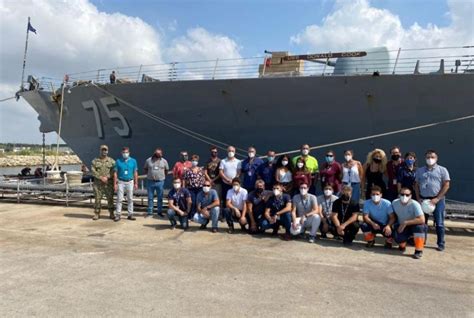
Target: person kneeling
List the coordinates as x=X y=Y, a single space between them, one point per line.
x=305 y=213
x=377 y=214
x=410 y=222
x=344 y=216
x=278 y=212
x=179 y=202
x=236 y=209
x=207 y=202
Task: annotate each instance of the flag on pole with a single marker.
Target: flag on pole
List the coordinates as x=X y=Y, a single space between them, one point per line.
x=30 y=28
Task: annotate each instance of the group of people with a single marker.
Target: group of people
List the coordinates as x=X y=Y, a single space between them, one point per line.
x=262 y=194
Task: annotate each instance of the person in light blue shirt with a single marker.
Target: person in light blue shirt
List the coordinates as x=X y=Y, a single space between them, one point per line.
x=377 y=213
x=125 y=180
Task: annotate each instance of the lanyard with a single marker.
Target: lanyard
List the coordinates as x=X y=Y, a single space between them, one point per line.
x=344 y=211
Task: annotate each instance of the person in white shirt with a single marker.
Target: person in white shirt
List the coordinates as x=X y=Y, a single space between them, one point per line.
x=229 y=168
x=236 y=209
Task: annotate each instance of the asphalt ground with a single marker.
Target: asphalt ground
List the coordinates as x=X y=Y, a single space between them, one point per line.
x=55 y=261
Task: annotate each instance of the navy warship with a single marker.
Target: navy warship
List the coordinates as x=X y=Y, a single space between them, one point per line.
x=377 y=98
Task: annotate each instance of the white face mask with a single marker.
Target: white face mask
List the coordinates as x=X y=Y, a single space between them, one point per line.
x=430 y=161
x=206 y=189
x=284 y=162
x=276 y=192
x=300 y=165
x=231 y=154
x=194 y=163
x=176 y=185
x=348 y=158
x=304 y=191
x=376 y=198
x=251 y=154
x=236 y=187
x=305 y=152
x=404 y=199
x=328 y=193
x=125 y=155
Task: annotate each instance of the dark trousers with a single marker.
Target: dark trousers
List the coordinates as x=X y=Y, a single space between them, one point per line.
x=194 y=192
x=225 y=187
x=350 y=232
x=285 y=221
x=230 y=217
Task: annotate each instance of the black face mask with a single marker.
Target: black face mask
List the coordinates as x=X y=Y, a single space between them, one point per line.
x=377 y=160
x=184 y=158
x=345 y=197
x=213 y=154
x=259 y=190
x=395 y=157
x=158 y=155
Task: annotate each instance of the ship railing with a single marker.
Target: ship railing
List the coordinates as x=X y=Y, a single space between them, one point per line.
x=383 y=62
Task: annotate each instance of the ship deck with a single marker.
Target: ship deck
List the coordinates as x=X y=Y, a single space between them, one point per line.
x=55 y=261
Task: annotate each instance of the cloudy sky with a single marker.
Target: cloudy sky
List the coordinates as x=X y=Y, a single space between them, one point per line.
x=75 y=35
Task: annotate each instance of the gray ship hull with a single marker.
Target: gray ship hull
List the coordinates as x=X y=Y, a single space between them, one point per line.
x=275 y=113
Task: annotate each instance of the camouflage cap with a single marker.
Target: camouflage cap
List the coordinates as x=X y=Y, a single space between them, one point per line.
x=104 y=147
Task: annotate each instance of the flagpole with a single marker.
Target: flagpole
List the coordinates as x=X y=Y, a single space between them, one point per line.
x=24 y=56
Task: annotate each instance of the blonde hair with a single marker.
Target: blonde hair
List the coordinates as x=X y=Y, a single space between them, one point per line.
x=383 y=164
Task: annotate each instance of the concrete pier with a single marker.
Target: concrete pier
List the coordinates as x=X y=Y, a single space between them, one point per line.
x=56 y=261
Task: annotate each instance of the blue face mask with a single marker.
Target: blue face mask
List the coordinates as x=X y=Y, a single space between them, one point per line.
x=270 y=159
x=410 y=161
x=329 y=159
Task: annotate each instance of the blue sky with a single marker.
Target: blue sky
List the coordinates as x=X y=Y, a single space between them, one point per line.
x=261 y=24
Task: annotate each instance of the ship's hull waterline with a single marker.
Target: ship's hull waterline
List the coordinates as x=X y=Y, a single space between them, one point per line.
x=274 y=113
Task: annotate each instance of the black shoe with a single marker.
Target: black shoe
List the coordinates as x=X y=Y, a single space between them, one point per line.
x=388 y=246
x=161 y=214
x=370 y=244
x=402 y=248
x=440 y=248
x=117 y=218
x=418 y=254
x=131 y=218
x=347 y=243
x=203 y=226
x=323 y=235
x=214 y=230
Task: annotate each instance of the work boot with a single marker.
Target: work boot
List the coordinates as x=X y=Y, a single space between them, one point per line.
x=111 y=215
x=96 y=216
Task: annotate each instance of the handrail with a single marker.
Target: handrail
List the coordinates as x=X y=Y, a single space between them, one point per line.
x=384 y=61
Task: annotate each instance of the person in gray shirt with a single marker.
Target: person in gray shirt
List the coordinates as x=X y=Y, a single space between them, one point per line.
x=305 y=213
x=156 y=168
x=432 y=183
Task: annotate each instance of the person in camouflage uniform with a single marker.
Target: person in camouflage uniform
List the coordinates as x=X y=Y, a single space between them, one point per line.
x=103 y=172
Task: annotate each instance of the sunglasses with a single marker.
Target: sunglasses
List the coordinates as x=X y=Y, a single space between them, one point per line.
x=330 y=156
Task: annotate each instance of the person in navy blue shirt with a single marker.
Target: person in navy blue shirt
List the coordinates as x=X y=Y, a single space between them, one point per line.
x=256 y=202
x=125 y=180
x=278 y=212
x=266 y=171
x=249 y=169
x=179 y=202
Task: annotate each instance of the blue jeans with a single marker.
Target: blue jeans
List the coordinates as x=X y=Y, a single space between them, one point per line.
x=214 y=213
x=194 y=192
x=285 y=221
x=183 y=220
x=152 y=187
x=439 y=215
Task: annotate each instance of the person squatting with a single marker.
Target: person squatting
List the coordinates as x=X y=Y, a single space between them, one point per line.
x=270 y=193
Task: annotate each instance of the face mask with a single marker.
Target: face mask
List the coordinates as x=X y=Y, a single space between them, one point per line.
x=348 y=158
x=376 y=198
x=206 y=189
x=251 y=154
x=105 y=153
x=184 y=157
x=236 y=187
x=404 y=199
x=270 y=159
x=329 y=159
x=377 y=160
x=300 y=165
x=158 y=155
x=284 y=162
x=305 y=152
x=213 y=154
x=176 y=185
x=345 y=197
x=395 y=157
x=276 y=192
x=125 y=155
x=304 y=191
x=231 y=154
x=194 y=163
x=410 y=162
x=430 y=161
x=328 y=193
x=259 y=190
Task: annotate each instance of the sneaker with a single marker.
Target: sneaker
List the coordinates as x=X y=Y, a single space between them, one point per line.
x=173 y=227
x=117 y=218
x=161 y=214
x=96 y=217
x=402 y=248
x=214 y=230
x=324 y=236
x=388 y=246
x=285 y=237
x=370 y=244
x=311 y=239
x=440 y=248
x=131 y=218
x=203 y=226
x=418 y=254
x=148 y=215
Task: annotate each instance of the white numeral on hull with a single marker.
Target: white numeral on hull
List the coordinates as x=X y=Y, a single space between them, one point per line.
x=113 y=115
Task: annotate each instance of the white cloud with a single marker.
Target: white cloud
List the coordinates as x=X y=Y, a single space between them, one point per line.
x=356 y=24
